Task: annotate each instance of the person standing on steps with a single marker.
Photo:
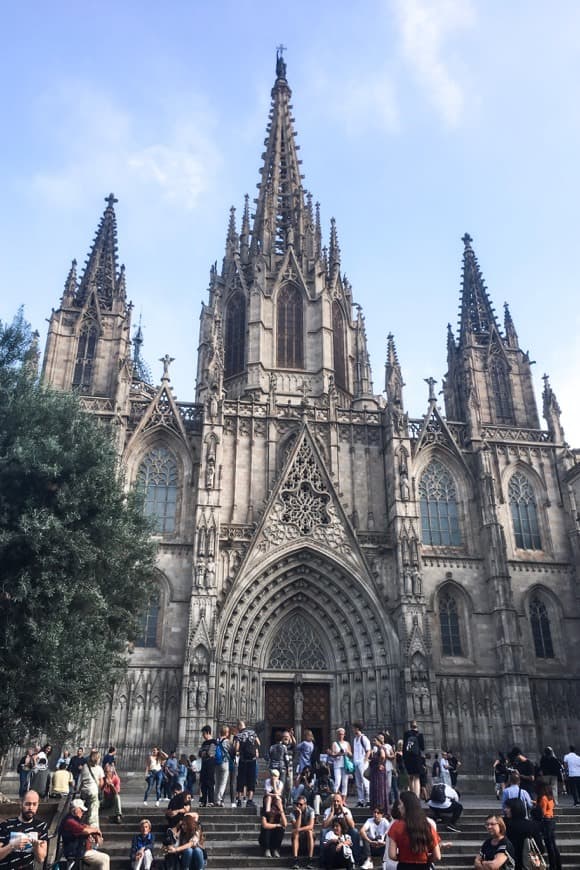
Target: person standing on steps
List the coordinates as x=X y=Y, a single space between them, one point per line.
x=207 y=752
x=413 y=749
x=247 y=747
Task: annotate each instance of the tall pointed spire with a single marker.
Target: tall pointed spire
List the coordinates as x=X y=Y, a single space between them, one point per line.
x=477 y=317
x=333 y=250
x=393 y=375
x=511 y=335
x=245 y=231
x=280 y=206
x=101 y=269
x=70 y=286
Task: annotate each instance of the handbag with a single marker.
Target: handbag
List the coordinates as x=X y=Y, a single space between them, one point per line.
x=532 y=857
x=348 y=764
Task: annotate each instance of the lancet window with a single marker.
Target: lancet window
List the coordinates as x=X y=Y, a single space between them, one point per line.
x=235 y=335
x=541 y=631
x=449 y=624
x=290 y=328
x=524 y=512
x=149 y=623
x=157 y=479
x=439 y=508
x=501 y=394
x=84 y=364
x=338 y=346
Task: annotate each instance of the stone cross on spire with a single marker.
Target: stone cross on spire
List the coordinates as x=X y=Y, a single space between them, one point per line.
x=111 y=200
x=166 y=360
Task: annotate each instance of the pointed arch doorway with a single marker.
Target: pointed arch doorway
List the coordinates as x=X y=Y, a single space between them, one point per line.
x=298 y=695
x=298 y=705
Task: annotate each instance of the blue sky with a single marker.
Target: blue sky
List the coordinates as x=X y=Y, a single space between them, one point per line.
x=418 y=120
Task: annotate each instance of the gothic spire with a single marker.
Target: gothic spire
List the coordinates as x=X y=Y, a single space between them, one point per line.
x=511 y=335
x=333 y=250
x=70 y=286
x=393 y=375
x=477 y=317
x=101 y=268
x=280 y=206
x=245 y=231
x=141 y=371
x=552 y=412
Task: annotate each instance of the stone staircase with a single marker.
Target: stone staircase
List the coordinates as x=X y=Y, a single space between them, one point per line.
x=232 y=837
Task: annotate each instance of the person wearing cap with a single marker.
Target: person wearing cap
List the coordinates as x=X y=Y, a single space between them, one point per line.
x=23 y=840
x=79 y=841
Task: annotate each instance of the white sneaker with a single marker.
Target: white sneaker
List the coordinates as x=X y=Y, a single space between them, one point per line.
x=144 y=803
x=267 y=854
x=156 y=803
x=234 y=805
x=276 y=853
x=368 y=864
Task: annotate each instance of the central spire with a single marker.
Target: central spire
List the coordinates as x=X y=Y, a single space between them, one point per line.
x=280 y=206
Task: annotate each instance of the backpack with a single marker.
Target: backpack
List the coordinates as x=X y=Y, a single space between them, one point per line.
x=438 y=793
x=248 y=747
x=219 y=753
x=412 y=745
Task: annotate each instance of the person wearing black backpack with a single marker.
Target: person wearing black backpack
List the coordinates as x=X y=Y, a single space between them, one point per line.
x=413 y=749
x=207 y=773
x=444 y=805
x=247 y=747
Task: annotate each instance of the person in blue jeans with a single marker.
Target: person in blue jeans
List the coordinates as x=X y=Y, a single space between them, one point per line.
x=154 y=774
x=189 y=852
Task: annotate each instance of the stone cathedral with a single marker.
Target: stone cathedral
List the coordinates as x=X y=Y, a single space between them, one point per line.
x=324 y=557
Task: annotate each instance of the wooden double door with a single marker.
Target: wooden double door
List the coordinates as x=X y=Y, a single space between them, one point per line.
x=298 y=706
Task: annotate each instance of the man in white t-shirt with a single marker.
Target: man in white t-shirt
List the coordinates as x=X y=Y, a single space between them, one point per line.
x=361 y=751
x=373 y=836
x=572 y=762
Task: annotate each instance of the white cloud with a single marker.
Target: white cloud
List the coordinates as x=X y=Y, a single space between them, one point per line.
x=426 y=27
x=104 y=147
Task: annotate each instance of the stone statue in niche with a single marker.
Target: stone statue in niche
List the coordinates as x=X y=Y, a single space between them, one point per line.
x=210 y=574
x=192 y=693
x=210 y=472
x=298 y=699
x=359 y=705
x=373 y=706
x=199 y=574
x=416 y=581
x=253 y=706
x=202 y=694
x=221 y=702
x=407 y=581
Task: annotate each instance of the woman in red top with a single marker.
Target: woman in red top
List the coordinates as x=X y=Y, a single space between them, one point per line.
x=413 y=841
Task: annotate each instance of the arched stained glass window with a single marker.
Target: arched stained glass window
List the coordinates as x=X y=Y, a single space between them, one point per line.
x=235 y=335
x=338 y=345
x=501 y=394
x=149 y=623
x=524 y=512
x=290 y=328
x=84 y=364
x=157 y=479
x=541 y=631
x=439 y=513
x=449 y=622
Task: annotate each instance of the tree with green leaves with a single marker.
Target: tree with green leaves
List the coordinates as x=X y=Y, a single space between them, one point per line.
x=76 y=557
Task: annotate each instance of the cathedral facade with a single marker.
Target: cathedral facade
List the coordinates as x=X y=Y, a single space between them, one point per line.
x=323 y=557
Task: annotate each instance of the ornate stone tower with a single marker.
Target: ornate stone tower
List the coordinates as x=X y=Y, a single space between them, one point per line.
x=88 y=343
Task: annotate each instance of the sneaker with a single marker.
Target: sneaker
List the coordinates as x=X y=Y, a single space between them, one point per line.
x=453 y=829
x=250 y=803
x=276 y=853
x=296 y=866
x=234 y=804
x=368 y=864
x=238 y=802
x=145 y=803
x=267 y=854
x=156 y=803
x=309 y=865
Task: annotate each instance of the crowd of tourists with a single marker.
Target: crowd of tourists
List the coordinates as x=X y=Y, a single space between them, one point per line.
x=305 y=795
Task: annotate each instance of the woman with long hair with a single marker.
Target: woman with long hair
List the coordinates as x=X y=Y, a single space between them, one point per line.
x=519 y=829
x=189 y=851
x=546 y=805
x=500 y=773
x=413 y=841
x=380 y=780
x=154 y=773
